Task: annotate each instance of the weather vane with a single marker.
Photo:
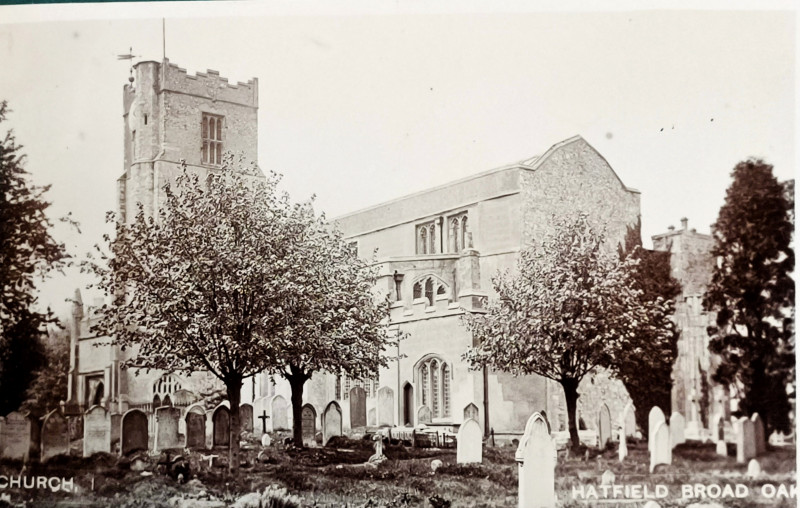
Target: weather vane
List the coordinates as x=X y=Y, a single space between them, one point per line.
x=129 y=56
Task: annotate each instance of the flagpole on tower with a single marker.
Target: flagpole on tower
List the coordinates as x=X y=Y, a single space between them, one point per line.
x=163 y=38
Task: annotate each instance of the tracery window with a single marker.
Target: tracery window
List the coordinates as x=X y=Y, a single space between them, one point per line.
x=434 y=376
x=166 y=385
x=430 y=287
x=459 y=232
x=212 y=139
x=344 y=384
x=426 y=238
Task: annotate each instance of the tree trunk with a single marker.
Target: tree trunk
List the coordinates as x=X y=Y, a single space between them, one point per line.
x=234 y=387
x=296 y=381
x=571 y=394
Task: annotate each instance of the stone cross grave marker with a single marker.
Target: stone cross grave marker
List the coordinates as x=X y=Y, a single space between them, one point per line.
x=745 y=440
x=263 y=417
x=470 y=443
x=536 y=459
x=424 y=415
x=309 y=425
x=134 y=435
x=16 y=436
x=655 y=417
x=385 y=407
x=604 y=426
x=331 y=422
x=677 y=426
x=196 y=427
x=661 y=451
x=280 y=413
x=759 y=434
x=246 y=417
x=96 y=431
x=167 y=418
x=358 y=407
x=55 y=436
x=221 y=425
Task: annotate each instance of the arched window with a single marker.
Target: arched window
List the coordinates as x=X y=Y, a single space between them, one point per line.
x=434 y=377
x=464 y=243
x=432 y=239
x=454 y=228
x=429 y=291
x=429 y=287
x=166 y=385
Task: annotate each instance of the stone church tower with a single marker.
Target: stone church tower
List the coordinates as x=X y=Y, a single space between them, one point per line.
x=169 y=117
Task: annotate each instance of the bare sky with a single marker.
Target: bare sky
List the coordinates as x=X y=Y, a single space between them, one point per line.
x=369 y=103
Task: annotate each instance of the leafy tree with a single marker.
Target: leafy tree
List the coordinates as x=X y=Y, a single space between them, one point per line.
x=49 y=386
x=228 y=277
x=27 y=252
x=646 y=370
x=570 y=308
x=752 y=293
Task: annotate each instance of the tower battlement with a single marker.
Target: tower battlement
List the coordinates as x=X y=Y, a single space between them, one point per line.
x=208 y=85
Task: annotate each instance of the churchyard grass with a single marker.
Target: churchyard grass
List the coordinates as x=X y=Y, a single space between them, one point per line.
x=336 y=476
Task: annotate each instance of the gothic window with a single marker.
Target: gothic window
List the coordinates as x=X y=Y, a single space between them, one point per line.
x=458 y=231
x=464 y=242
x=346 y=387
x=426 y=238
x=429 y=291
x=417 y=290
x=167 y=385
x=434 y=377
x=212 y=139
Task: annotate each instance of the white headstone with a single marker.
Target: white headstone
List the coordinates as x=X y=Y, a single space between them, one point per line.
x=677 y=425
x=717 y=433
x=655 y=417
x=608 y=477
x=331 y=422
x=759 y=434
x=536 y=459
x=470 y=443
x=745 y=440
x=385 y=407
x=753 y=469
x=604 y=426
x=661 y=450
x=266 y=440
x=623 y=445
x=16 y=436
x=627 y=420
x=722 y=448
x=166 y=435
x=279 y=416
x=96 y=431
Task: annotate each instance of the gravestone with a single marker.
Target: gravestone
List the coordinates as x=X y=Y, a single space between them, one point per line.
x=133 y=434
x=385 y=407
x=331 y=422
x=536 y=459
x=167 y=436
x=753 y=469
x=309 y=424
x=116 y=431
x=16 y=436
x=470 y=443
x=358 y=407
x=471 y=412
x=722 y=448
x=96 y=431
x=623 y=445
x=280 y=413
x=627 y=420
x=745 y=440
x=55 y=436
x=372 y=418
x=195 y=427
x=677 y=426
x=604 y=426
x=759 y=435
x=221 y=426
x=661 y=450
x=246 y=417
x=717 y=427
x=655 y=417
x=424 y=415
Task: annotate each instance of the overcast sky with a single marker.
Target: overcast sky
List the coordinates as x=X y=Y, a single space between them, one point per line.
x=366 y=104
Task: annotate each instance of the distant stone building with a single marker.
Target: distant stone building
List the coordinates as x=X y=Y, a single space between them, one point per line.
x=693 y=393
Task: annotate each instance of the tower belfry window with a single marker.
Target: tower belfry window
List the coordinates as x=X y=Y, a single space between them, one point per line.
x=212 y=139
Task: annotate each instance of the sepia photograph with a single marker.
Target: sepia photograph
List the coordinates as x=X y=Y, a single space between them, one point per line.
x=398 y=254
